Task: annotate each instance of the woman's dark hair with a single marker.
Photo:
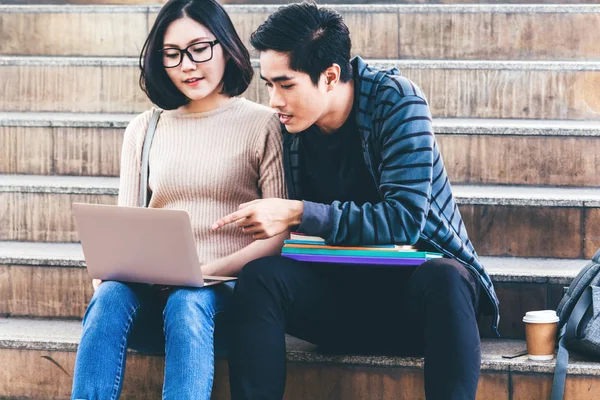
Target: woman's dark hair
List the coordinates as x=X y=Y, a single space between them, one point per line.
x=314 y=37
x=154 y=79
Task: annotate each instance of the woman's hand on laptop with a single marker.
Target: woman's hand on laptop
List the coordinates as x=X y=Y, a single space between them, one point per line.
x=96 y=283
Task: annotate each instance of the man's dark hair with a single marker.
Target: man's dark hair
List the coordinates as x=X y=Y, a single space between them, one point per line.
x=154 y=79
x=314 y=37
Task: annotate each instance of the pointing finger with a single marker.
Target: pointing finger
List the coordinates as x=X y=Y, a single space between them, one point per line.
x=228 y=219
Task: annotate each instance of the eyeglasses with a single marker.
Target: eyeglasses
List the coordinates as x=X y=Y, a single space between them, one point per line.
x=197 y=52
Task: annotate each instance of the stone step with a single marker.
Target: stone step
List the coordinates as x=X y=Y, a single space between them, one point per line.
x=38 y=208
x=49 y=280
x=476 y=151
x=342 y=2
x=41 y=354
x=482 y=89
x=374 y=2
x=397 y=31
x=502 y=220
x=62 y=144
x=525 y=284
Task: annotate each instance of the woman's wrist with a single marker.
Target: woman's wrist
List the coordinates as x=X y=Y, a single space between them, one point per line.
x=210 y=269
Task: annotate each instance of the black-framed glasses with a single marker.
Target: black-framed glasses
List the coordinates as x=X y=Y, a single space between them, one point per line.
x=198 y=52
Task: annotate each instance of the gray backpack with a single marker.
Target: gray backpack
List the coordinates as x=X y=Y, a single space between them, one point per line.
x=579 y=325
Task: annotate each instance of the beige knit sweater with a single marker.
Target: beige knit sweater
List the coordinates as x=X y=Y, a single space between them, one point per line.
x=207 y=164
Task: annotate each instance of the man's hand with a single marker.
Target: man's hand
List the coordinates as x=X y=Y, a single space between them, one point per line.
x=265 y=218
x=96 y=283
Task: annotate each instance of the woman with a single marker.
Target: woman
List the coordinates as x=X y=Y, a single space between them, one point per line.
x=211 y=152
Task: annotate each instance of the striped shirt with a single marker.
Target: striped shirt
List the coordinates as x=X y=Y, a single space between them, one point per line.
x=400 y=151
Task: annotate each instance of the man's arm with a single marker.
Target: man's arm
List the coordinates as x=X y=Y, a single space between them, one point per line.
x=265 y=218
x=406 y=142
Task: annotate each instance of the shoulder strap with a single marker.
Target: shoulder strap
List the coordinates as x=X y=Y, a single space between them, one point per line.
x=569 y=332
x=144 y=195
x=560 y=371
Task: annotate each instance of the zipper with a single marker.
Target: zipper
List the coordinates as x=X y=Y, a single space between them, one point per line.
x=365 y=148
x=288 y=168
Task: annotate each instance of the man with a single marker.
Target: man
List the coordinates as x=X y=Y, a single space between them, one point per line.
x=362 y=168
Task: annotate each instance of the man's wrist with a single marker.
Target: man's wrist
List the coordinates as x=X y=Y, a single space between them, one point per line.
x=297 y=212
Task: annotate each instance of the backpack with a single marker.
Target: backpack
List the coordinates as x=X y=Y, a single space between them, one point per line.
x=579 y=325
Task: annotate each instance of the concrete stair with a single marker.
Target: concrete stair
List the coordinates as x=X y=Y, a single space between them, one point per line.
x=62 y=144
x=38 y=208
x=49 y=280
x=336 y=2
x=514 y=91
x=476 y=151
x=311 y=374
x=502 y=220
x=487 y=89
x=396 y=31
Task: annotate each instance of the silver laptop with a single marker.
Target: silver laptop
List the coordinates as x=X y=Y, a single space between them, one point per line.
x=134 y=244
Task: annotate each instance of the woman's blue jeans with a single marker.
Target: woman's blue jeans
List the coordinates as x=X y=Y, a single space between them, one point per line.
x=129 y=315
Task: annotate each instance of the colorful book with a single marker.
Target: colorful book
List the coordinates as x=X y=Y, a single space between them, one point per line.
x=306 y=238
x=291 y=241
x=317 y=245
x=361 y=253
x=357 y=260
x=302 y=239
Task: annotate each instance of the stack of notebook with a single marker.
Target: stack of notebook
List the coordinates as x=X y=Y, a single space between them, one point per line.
x=313 y=249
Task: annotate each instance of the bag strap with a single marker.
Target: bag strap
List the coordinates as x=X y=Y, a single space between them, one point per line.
x=560 y=371
x=569 y=332
x=144 y=196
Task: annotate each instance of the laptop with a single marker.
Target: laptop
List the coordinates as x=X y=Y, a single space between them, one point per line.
x=144 y=245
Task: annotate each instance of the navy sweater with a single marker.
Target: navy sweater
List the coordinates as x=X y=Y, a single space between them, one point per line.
x=400 y=151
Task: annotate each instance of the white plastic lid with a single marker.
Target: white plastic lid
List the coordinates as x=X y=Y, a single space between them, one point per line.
x=540 y=317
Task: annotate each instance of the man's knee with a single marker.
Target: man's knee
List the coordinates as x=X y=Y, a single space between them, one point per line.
x=262 y=271
x=448 y=290
x=260 y=280
x=446 y=277
x=443 y=271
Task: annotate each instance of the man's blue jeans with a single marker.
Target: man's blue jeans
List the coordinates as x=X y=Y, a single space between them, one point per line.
x=182 y=327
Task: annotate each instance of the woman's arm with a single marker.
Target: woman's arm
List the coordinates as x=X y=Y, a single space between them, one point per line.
x=269 y=156
x=129 y=178
x=232 y=264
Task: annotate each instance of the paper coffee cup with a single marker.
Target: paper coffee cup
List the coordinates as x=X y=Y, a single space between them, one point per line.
x=540 y=333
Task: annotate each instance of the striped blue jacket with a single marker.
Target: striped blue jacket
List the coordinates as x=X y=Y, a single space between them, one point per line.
x=400 y=151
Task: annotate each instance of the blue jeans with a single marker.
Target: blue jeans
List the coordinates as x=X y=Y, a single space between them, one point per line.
x=181 y=327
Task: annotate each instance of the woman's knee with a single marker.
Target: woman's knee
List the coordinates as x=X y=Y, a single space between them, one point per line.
x=111 y=297
x=191 y=313
x=111 y=309
x=196 y=303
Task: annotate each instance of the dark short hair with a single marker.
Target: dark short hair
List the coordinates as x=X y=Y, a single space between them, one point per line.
x=154 y=79
x=314 y=37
